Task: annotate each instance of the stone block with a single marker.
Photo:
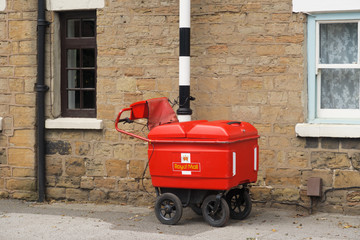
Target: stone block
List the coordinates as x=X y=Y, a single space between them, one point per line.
x=105 y=183
x=270 y=50
x=54 y=166
x=55 y=193
x=279 y=142
x=22 y=30
x=257 y=97
x=87 y=183
x=21 y=157
x=298 y=159
x=77 y=194
x=27 y=47
x=82 y=148
x=23 y=116
x=3 y=156
x=6 y=71
x=116 y=168
x=5 y=98
x=68 y=182
x=146 y=84
x=93 y=136
x=268 y=158
x=329 y=160
x=94 y=167
x=58 y=147
x=330 y=143
x=5 y=171
x=141 y=151
x=25 y=72
x=23 y=138
x=136 y=168
x=103 y=149
x=355 y=160
x=23 y=60
x=286 y=194
x=23 y=172
x=251 y=84
x=312 y=143
x=251 y=113
x=97 y=195
x=123 y=151
x=350 y=143
x=283 y=177
x=106 y=111
x=353 y=197
x=21 y=184
x=4 y=194
x=30 y=196
x=345 y=178
x=75 y=167
x=260 y=193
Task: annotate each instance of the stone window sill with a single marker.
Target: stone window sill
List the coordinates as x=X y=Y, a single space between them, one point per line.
x=60 y=5
x=327 y=130
x=74 y=123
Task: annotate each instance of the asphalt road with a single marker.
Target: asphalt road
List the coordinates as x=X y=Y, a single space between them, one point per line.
x=28 y=221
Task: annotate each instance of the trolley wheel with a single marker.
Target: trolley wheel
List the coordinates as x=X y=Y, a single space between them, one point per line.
x=218 y=218
x=239 y=203
x=168 y=208
x=196 y=208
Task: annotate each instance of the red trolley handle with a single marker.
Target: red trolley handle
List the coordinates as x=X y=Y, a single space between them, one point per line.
x=124 y=120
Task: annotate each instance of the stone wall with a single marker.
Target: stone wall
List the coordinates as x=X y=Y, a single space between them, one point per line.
x=248 y=63
x=17 y=99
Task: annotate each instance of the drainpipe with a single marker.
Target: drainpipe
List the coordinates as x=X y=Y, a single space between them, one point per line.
x=184 y=112
x=40 y=89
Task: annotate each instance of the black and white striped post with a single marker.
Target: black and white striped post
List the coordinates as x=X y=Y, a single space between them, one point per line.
x=184 y=112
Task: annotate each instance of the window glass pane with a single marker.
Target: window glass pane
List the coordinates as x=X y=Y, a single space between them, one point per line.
x=89 y=99
x=73 y=28
x=73 y=99
x=73 y=78
x=88 y=28
x=340 y=88
x=89 y=78
x=73 y=58
x=339 y=43
x=88 y=57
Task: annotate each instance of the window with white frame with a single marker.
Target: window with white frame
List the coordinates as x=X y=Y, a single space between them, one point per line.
x=338 y=69
x=333 y=68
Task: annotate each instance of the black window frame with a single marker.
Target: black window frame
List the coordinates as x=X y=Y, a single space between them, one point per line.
x=77 y=43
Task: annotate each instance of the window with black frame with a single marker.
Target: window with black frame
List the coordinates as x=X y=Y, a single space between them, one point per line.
x=78 y=64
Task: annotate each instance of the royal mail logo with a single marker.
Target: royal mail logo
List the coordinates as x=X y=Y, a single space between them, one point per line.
x=192 y=167
x=185 y=158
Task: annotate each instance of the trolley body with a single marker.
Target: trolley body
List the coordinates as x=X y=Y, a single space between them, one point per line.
x=216 y=155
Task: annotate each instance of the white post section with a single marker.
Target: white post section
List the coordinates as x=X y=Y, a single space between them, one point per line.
x=184 y=112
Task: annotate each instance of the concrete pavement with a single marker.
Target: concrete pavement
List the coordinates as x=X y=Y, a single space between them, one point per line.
x=27 y=221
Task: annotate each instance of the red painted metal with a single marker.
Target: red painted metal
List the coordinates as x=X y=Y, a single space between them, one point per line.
x=215 y=155
x=219 y=156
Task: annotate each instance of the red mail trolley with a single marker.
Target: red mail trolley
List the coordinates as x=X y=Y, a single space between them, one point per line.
x=206 y=165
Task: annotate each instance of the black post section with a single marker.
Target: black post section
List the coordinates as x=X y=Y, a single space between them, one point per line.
x=184 y=42
x=40 y=89
x=184 y=101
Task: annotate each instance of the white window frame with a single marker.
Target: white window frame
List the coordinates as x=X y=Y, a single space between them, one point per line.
x=334 y=113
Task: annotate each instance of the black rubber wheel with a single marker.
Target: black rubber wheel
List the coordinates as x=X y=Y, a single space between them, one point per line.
x=196 y=208
x=239 y=203
x=218 y=218
x=168 y=208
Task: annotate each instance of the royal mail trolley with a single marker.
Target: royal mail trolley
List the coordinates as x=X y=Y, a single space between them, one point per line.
x=206 y=165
